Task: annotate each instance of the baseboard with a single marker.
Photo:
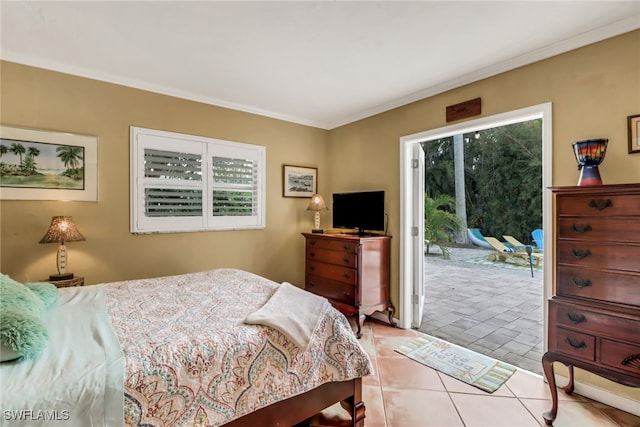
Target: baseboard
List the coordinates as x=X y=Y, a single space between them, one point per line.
x=602 y=396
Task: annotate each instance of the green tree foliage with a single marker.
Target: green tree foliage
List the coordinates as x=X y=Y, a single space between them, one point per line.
x=71 y=157
x=440 y=222
x=503 y=177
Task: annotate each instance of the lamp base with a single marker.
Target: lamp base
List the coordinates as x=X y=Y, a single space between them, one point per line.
x=317 y=231
x=589 y=175
x=57 y=277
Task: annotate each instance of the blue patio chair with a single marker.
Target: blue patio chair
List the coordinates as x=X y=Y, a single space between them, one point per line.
x=538 y=238
x=476 y=237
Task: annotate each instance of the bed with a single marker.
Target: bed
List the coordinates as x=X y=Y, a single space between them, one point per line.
x=176 y=351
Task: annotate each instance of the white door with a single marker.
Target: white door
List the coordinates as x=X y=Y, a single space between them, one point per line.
x=417 y=191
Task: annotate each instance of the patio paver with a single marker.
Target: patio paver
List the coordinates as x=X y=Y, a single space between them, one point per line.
x=493 y=310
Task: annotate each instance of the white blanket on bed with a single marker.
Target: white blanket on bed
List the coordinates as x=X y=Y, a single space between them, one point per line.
x=293 y=311
x=78 y=379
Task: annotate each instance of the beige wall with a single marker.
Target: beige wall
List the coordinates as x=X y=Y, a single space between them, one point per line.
x=592 y=89
x=36 y=98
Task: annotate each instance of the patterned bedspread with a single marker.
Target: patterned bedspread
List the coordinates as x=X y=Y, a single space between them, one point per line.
x=190 y=359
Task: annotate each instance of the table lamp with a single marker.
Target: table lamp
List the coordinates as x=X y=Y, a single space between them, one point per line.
x=589 y=154
x=317 y=204
x=62 y=229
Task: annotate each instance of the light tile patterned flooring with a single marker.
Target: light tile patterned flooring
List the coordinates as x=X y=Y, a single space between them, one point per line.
x=404 y=393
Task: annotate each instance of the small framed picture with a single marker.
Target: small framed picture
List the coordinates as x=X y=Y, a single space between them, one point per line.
x=634 y=133
x=299 y=181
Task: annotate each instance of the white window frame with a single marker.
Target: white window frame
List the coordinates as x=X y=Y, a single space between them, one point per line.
x=207 y=148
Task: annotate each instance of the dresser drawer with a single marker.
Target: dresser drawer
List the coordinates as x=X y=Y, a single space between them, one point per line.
x=332 y=245
x=331 y=289
x=620 y=356
x=599 y=205
x=331 y=271
x=585 y=253
x=576 y=344
x=600 y=229
x=590 y=321
x=623 y=288
x=345 y=259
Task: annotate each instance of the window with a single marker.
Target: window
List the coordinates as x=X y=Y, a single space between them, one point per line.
x=190 y=183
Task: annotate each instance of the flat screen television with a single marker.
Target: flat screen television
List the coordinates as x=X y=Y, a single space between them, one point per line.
x=360 y=211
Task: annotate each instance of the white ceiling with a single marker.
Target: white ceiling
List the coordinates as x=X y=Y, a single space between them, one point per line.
x=321 y=64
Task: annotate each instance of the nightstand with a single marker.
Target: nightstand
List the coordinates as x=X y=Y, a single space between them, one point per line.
x=76 y=281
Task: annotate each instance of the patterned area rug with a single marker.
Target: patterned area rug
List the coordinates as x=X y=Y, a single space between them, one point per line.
x=458 y=362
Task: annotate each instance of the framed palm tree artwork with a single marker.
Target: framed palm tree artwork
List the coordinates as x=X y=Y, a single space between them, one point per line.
x=46 y=165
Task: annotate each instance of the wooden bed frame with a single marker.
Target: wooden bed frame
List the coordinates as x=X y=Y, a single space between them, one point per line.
x=296 y=410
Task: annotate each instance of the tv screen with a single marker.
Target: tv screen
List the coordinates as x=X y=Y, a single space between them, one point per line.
x=359 y=210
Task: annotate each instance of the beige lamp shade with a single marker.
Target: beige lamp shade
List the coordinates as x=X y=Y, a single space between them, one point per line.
x=62 y=229
x=317 y=204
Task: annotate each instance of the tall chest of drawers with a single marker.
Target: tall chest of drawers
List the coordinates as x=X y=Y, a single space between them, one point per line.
x=594 y=316
x=352 y=272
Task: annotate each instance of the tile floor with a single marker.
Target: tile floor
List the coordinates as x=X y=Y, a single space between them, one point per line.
x=404 y=393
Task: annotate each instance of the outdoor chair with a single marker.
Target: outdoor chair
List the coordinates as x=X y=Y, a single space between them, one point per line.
x=538 y=237
x=505 y=254
x=476 y=238
x=517 y=244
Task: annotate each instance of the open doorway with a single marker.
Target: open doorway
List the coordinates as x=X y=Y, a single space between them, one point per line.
x=412 y=191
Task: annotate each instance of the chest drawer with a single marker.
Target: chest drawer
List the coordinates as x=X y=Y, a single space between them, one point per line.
x=345 y=259
x=332 y=245
x=621 y=356
x=605 y=325
x=599 y=205
x=331 y=271
x=599 y=255
x=331 y=289
x=576 y=344
x=599 y=285
x=601 y=229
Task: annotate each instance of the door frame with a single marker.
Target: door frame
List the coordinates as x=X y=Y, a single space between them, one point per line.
x=408 y=186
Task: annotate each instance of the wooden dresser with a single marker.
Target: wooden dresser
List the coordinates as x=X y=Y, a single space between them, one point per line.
x=594 y=316
x=351 y=271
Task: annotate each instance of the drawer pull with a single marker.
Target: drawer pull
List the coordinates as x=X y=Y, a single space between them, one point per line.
x=346 y=276
x=600 y=204
x=311 y=283
x=312 y=254
x=312 y=268
x=576 y=318
x=346 y=261
x=581 y=283
x=312 y=242
x=580 y=228
x=580 y=253
x=632 y=361
x=346 y=294
x=575 y=344
x=346 y=247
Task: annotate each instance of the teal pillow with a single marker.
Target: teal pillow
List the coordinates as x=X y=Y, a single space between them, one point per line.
x=22 y=332
x=47 y=293
x=22 y=329
x=17 y=295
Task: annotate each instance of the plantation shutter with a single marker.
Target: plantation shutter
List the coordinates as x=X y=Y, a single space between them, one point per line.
x=237 y=185
x=174 y=183
x=188 y=183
